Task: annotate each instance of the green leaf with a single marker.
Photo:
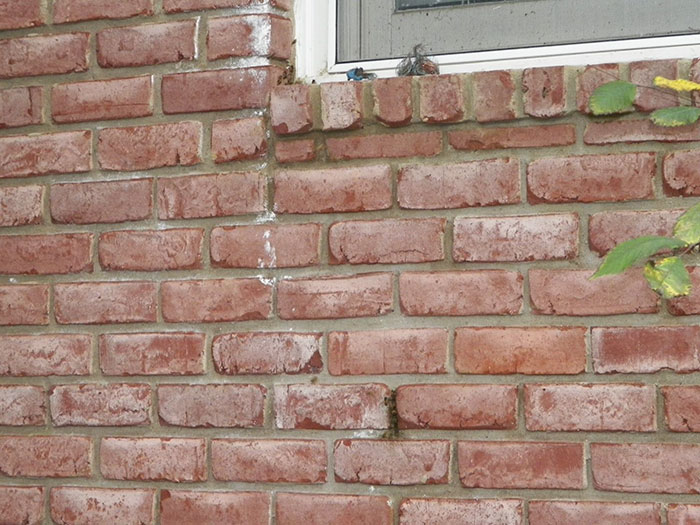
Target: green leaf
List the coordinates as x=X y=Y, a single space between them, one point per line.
x=668 y=277
x=678 y=116
x=613 y=97
x=687 y=226
x=629 y=252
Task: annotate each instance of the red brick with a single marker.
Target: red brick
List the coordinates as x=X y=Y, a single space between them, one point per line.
x=21 y=205
x=22 y=405
x=290 y=109
x=515 y=350
x=76 y=10
x=573 y=408
x=364 y=295
x=478 y=183
x=681 y=174
x=590 y=79
x=341 y=105
x=227 y=406
x=392 y=462
x=415 y=511
x=243 y=88
x=147 y=147
x=29 y=156
x=333 y=407
x=151 y=250
x=103 y=302
x=333 y=190
x=45 y=355
x=643 y=74
x=608 y=229
x=216 y=300
x=44 y=55
x=45 y=456
x=457 y=407
x=98 y=202
x=392 y=101
x=633 y=131
x=24 y=304
x=153 y=459
x=645 y=350
x=114 y=405
x=660 y=468
x=494 y=96
x=23 y=505
x=102 y=99
x=387 y=241
x=146 y=45
x=322 y=509
x=269 y=460
x=490 y=292
x=46 y=254
x=178 y=6
x=239 y=139
x=592 y=178
x=689 y=305
x=15 y=15
x=532 y=238
x=249 y=36
x=295 y=151
x=406 y=351
x=424 y=144
x=683 y=515
x=92 y=506
x=152 y=354
x=682 y=405
x=600 y=513
x=441 y=98
x=544 y=92
x=572 y=292
x=521 y=137
x=214 y=508
x=521 y=465
x=211 y=195
x=20 y=106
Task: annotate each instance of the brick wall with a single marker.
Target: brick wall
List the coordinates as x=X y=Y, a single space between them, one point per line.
x=225 y=300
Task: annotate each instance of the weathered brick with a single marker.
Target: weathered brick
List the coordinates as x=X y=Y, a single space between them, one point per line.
x=290 y=109
x=93 y=506
x=682 y=405
x=153 y=459
x=239 y=139
x=590 y=79
x=226 y=406
x=115 y=405
x=406 y=351
x=146 y=45
x=681 y=174
x=24 y=304
x=521 y=465
x=392 y=462
x=422 y=144
x=322 y=509
x=269 y=460
x=392 y=101
x=332 y=407
x=44 y=55
x=20 y=106
x=494 y=96
x=152 y=354
x=490 y=292
x=333 y=190
x=99 y=202
x=147 y=147
x=301 y=150
x=598 y=512
x=76 y=10
x=151 y=250
x=267 y=353
x=46 y=254
x=415 y=511
x=29 y=156
x=457 y=407
x=45 y=355
x=690 y=304
x=341 y=105
x=522 y=137
x=249 y=36
x=45 y=456
x=643 y=74
x=683 y=514
x=102 y=99
x=105 y=302
x=15 y=15
x=23 y=505
x=215 y=300
x=478 y=183
x=364 y=295
x=544 y=92
x=22 y=405
x=608 y=229
x=531 y=238
x=21 y=205
x=572 y=292
x=633 y=131
x=441 y=98
x=214 y=508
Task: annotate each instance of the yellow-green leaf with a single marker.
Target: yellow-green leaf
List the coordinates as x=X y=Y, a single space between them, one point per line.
x=673 y=117
x=668 y=277
x=629 y=252
x=613 y=97
x=676 y=85
x=687 y=226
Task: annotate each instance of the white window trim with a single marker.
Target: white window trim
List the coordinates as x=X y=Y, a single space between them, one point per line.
x=315 y=22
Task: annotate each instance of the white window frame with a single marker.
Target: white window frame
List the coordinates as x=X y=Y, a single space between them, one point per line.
x=315 y=31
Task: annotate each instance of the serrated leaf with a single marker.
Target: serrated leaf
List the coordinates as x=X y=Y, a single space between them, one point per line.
x=629 y=252
x=676 y=85
x=687 y=226
x=674 y=117
x=668 y=277
x=613 y=97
